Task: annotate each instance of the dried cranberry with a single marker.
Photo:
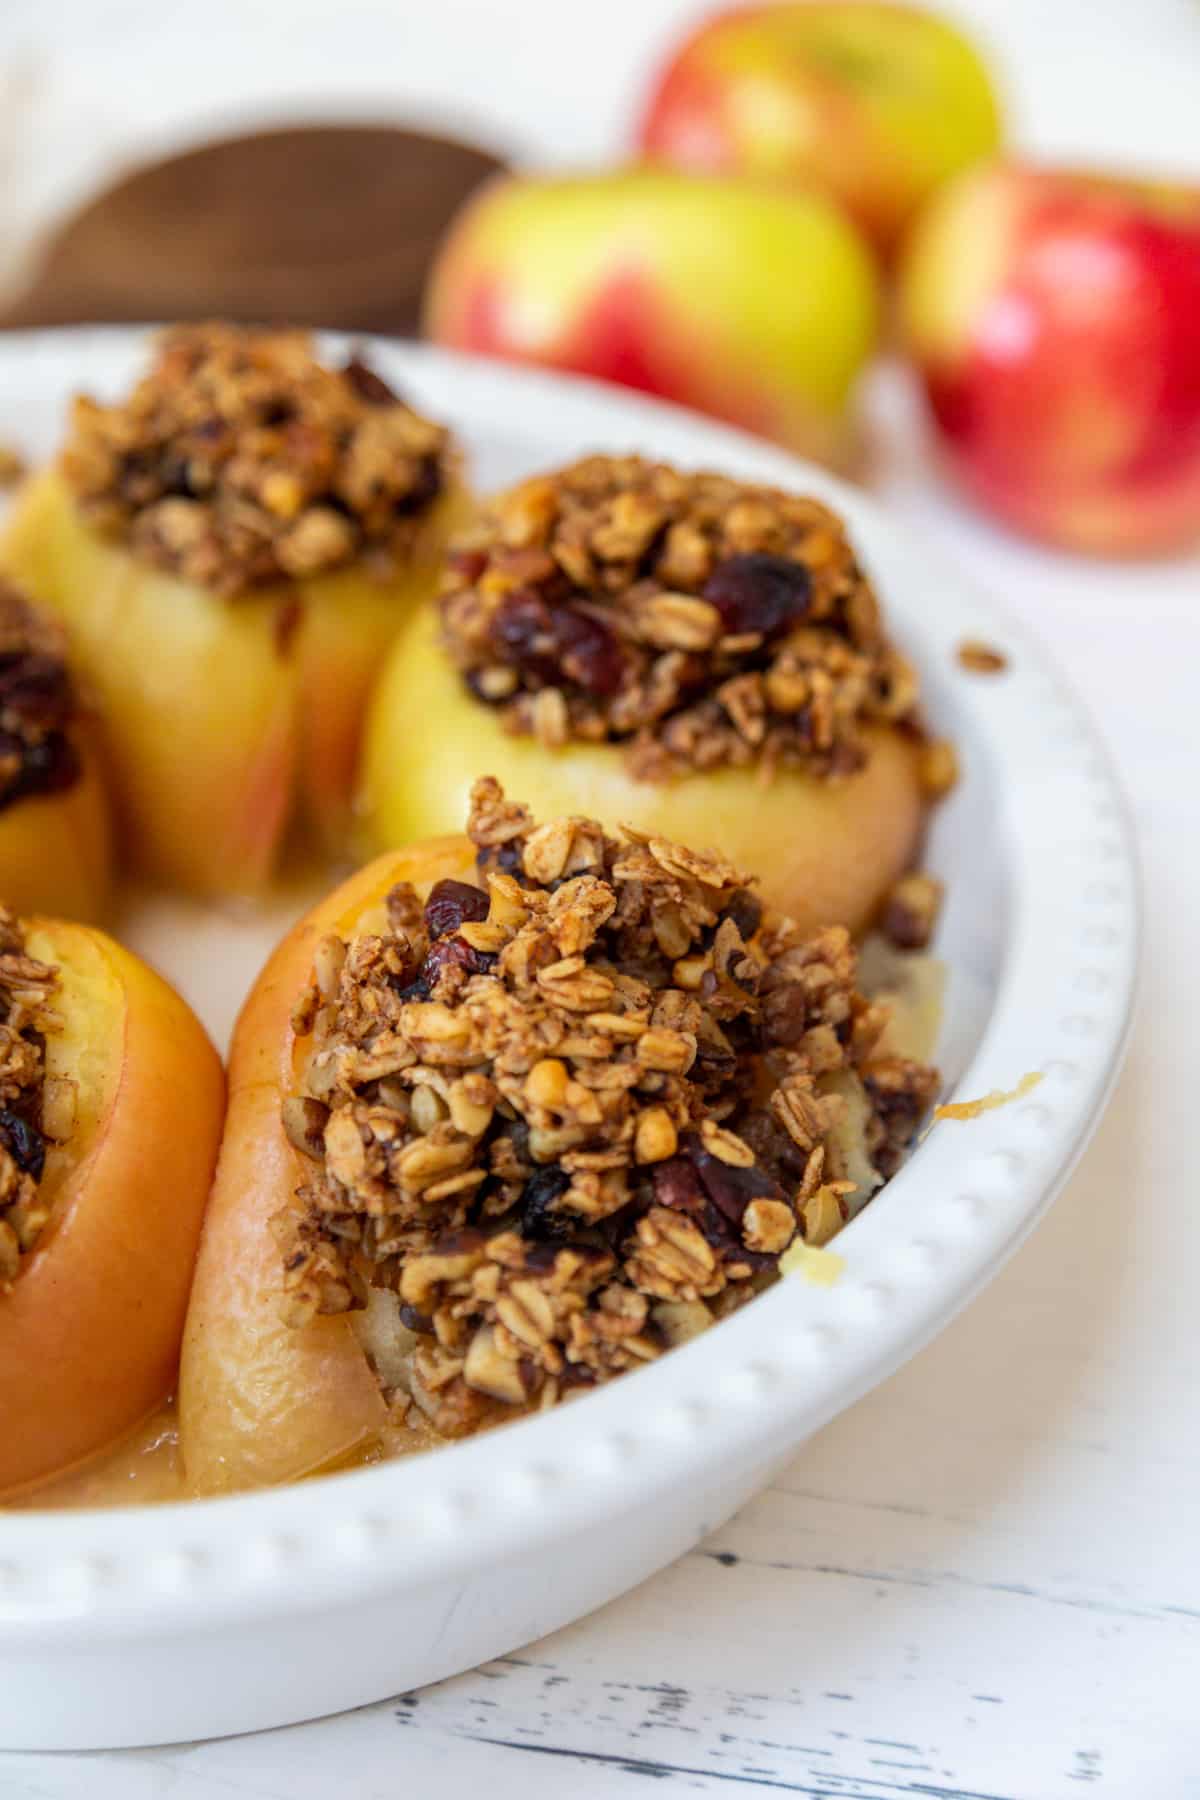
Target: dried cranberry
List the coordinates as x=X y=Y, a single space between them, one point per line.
x=729 y=1187
x=50 y=766
x=677 y=1185
x=523 y=635
x=589 y=652
x=35 y=687
x=454 y=952
x=450 y=904
x=539 y=1219
x=468 y=565
x=759 y=592
x=367 y=384
x=23 y=1142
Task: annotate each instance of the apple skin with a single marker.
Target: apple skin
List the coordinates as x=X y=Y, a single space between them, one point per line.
x=261 y=1401
x=1053 y=318
x=825 y=852
x=224 y=722
x=874 y=104
x=90 y=1330
x=56 y=849
x=760 y=307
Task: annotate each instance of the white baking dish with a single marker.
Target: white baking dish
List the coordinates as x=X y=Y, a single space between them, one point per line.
x=144 y=1625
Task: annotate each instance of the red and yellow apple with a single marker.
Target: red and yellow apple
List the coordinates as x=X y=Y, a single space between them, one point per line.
x=825 y=851
x=874 y=103
x=756 y=305
x=1053 y=317
x=261 y=1401
x=91 y=1326
x=224 y=722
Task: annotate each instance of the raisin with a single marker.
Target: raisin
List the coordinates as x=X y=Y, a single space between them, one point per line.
x=467 y=565
x=589 y=652
x=414 y=1319
x=450 y=904
x=786 y=1014
x=23 y=1142
x=745 y=909
x=367 y=384
x=539 y=1219
x=759 y=592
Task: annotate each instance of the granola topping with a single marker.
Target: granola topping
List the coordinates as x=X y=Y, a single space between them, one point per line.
x=37 y=703
x=239 y=460
x=33 y=1112
x=572 y=1114
x=697 y=620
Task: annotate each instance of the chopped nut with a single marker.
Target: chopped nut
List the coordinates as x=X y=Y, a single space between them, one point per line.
x=768 y=1225
x=910 y=911
x=822 y=1214
x=489 y=1372
x=656 y=1138
x=304 y=1122
x=980 y=658
x=938 y=768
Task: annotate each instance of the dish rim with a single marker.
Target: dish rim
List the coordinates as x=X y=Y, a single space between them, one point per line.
x=782 y=1367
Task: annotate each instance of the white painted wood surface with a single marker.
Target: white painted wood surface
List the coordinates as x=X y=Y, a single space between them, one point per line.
x=984 y=1581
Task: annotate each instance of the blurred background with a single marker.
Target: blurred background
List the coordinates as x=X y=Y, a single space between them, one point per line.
x=143 y=174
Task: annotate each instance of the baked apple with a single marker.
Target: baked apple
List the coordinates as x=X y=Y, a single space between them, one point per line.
x=684 y=653
x=111 y=1100
x=232 y=548
x=54 y=828
x=511 y=1114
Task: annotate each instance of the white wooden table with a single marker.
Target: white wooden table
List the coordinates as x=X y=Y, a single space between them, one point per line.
x=984 y=1581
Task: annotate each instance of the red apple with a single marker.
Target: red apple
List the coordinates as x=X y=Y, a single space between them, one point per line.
x=876 y=104
x=1054 y=318
x=757 y=305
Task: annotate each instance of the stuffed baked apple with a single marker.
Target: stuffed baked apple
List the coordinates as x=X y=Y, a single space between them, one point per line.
x=232 y=547
x=512 y=1114
x=111 y=1101
x=54 y=829
x=686 y=653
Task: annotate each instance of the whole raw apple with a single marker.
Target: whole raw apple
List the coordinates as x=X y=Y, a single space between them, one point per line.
x=756 y=305
x=1054 y=318
x=877 y=104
